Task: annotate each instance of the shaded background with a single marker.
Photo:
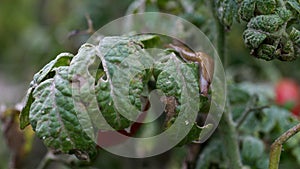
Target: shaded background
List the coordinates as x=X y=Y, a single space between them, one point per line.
x=33 y=32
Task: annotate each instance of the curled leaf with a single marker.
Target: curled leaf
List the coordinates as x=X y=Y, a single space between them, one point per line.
x=295 y=36
x=294 y=4
x=266 y=6
x=172 y=75
x=266 y=52
x=125 y=63
x=266 y=23
x=253 y=38
x=106 y=104
x=284 y=14
x=287 y=51
x=53 y=117
x=267 y=34
x=24 y=115
x=62 y=59
x=226 y=11
x=112 y=77
x=247 y=9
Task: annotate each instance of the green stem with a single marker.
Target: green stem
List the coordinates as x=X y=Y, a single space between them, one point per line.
x=227 y=126
x=221 y=43
x=277 y=146
x=221 y=37
x=245 y=114
x=230 y=141
x=46 y=160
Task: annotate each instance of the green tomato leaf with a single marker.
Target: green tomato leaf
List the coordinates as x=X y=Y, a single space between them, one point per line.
x=295 y=36
x=284 y=118
x=266 y=23
x=148 y=40
x=296 y=153
x=105 y=101
x=62 y=59
x=67 y=96
x=284 y=13
x=294 y=4
x=247 y=9
x=226 y=11
x=24 y=115
x=82 y=72
x=296 y=41
x=266 y=6
x=252 y=148
x=268 y=28
x=53 y=117
x=262 y=162
x=238 y=95
x=253 y=38
x=171 y=75
x=266 y=52
x=127 y=66
x=165 y=73
x=211 y=154
x=288 y=51
x=268 y=121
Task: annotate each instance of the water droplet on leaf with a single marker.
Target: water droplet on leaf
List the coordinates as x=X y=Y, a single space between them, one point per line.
x=187 y=122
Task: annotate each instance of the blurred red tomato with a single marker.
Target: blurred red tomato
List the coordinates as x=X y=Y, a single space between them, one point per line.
x=287 y=94
x=296 y=109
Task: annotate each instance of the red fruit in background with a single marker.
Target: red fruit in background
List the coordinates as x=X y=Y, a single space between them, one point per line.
x=296 y=110
x=287 y=94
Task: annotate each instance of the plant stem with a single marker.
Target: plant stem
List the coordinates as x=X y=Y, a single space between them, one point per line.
x=221 y=43
x=46 y=160
x=192 y=156
x=250 y=107
x=221 y=37
x=277 y=146
x=230 y=141
x=246 y=112
x=227 y=126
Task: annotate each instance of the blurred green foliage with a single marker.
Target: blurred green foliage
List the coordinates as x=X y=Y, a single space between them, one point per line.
x=33 y=32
